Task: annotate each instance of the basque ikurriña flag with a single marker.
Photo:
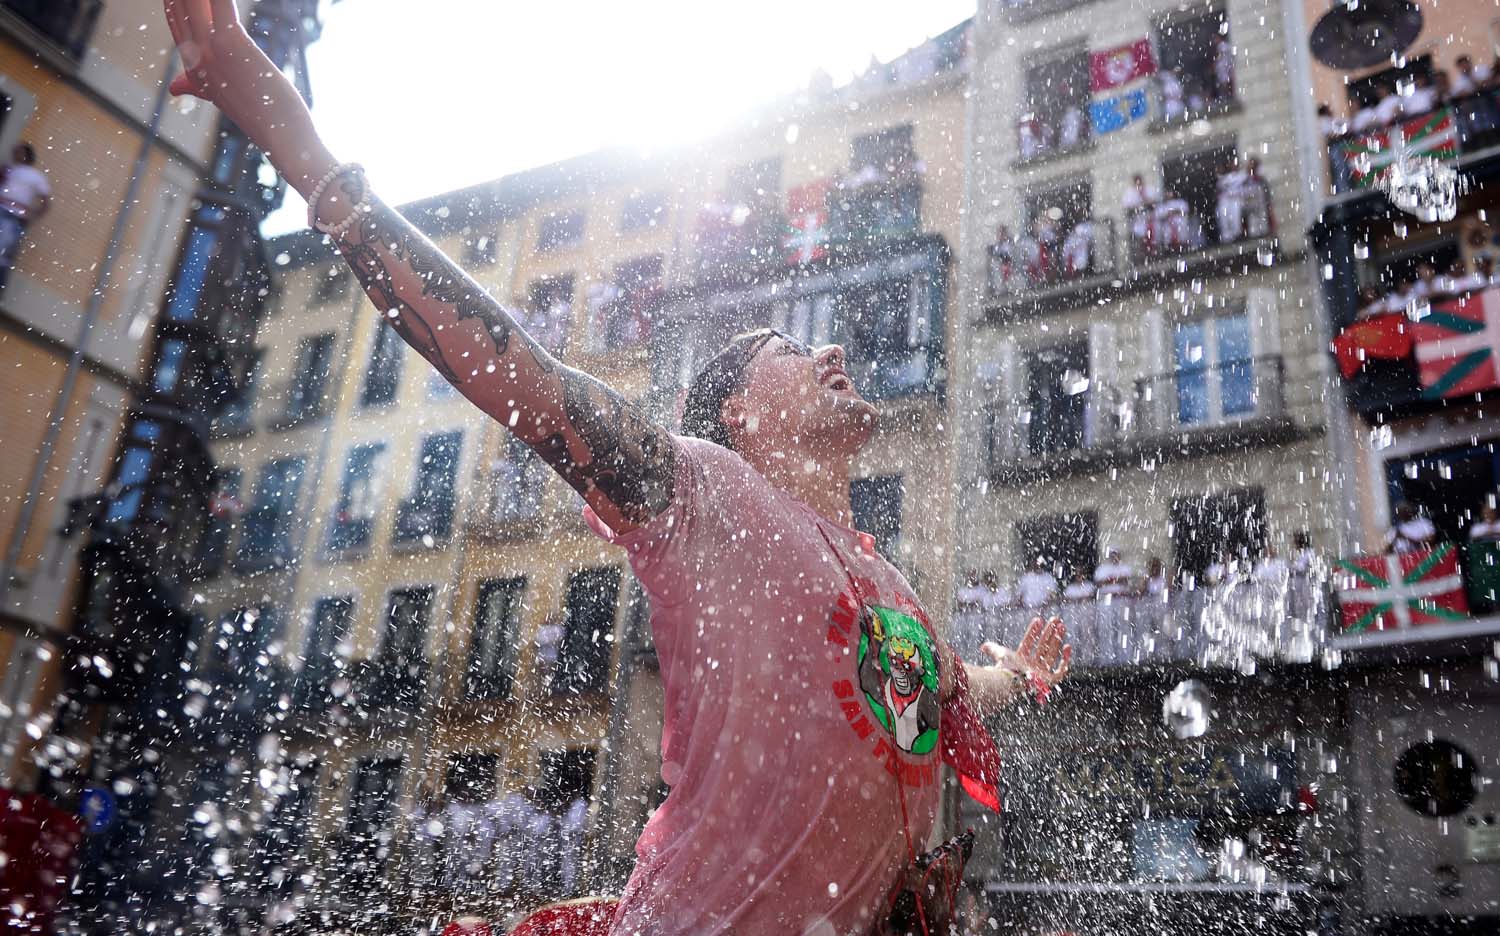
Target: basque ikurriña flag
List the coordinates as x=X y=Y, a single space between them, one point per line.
x=1122 y=65
x=1370 y=154
x=1458 y=346
x=1400 y=590
x=807 y=219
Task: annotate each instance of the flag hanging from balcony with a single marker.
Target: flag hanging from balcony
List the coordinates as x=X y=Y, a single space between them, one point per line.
x=807 y=222
x=1370 y=155
x=1121 y=65
x=1400 y=590
x=1387 y=337
x=1458 y=346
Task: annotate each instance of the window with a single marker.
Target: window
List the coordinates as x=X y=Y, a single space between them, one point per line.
x=583 y=657
x=354 y=513
x=1195 y=63
x=567 y=774
x=372 y=806
x=626 y=317
x=66 y=23
x=267 y=537
x=517 y=481
x=1194 y=179
x=492 y=652
x=401 y=664
x=886 y=326
x=888 y=151
x=1068 y=543
x=241 y=664
x=383 y=375
x=306 y=396
x=223 y=511
x=549 y=311
x=559 y=230
x=136 y=459
x=1214 y=369
x=643 y=210
x=333 y=285
x=1057 y=380
x=1211 y=528
x=234 y=415
x=169 y=363
x=429 y=509
x=471 y=778
x=326 y=653
x=1055 y=108
x=876 y=503
x=481 y=250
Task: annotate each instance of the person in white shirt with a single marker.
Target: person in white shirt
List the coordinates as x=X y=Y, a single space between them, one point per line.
x=1113 y=577
x=1229 y=206
x=1389 y=108
x=1422 y=99
x=25 y=196
x=971 y=617
x=1038 y=586
x=1034 y=136
x=1257 y=201
x=1071 y=128
x=1487 y=528
x=1365 y=119
x=1173 y=98
x=1223 y=70
x=1078 y=248
x=1080 y=588
x=1140 y=205
x=1468 y=77
x=1411 y=532
x=1270 y=567
x=1303 y=557
x=1330 y=125
x=1177 y=225
x=1002 y=261
x=1156 y=588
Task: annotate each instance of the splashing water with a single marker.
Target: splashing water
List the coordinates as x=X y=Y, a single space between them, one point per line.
x=1187 y=709
x=1423 y=186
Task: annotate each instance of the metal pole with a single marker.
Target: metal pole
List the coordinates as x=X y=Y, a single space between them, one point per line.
x=80 y=346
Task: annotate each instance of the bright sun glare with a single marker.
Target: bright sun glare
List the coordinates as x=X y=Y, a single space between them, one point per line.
x=472 y=89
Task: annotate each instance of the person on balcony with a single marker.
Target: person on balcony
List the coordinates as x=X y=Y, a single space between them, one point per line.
x=1078 y=248
x=1389 y=108
x=1114 y=578
x=1371 y=303
x=1477 y=280
x=1156 y=586
x=1173 y=97
x=1002 y=261
x=1031 y=252
x=1422 y=98
x=1230 y=195
x=1304 y=559
x=25 y=196
x=1223 y=70
x=1139 y=203
x=1037 y=586
x=1080 y=588
x=1487 y=528
x=1260 y=220
x=1177 y=226
x=1034 y=136
x=1329 y=125
x=1073 y=125
x=1270 y=567
x=1468 y=78
x=1411 y=531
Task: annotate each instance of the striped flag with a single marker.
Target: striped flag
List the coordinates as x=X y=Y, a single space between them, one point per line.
x=1400 y=590
x=1369 y=155
x=1458 y=346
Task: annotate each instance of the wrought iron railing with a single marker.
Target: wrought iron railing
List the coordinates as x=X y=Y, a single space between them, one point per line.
x=1015 y=269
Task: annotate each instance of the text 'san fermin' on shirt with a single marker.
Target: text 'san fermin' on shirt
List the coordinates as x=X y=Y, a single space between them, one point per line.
x=801 y=695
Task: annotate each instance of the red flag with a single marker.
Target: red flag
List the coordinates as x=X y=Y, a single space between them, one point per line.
x=1400 y=590
x=807 y=220
x=1458 y=346
x=1114 y=67
x=1387 y=337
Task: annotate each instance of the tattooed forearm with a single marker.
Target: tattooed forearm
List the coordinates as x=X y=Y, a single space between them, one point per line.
x=603 y=445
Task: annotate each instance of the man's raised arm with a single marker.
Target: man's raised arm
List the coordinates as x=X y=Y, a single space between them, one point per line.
x=607 y=449
x=603 y=445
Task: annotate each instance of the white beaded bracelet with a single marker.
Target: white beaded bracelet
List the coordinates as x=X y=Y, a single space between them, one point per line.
x=341 y=228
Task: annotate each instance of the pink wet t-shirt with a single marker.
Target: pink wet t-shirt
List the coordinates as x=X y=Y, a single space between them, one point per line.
x=801 y=708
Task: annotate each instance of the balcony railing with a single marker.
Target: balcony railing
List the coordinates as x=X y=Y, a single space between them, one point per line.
x=67 y=24
x=1462 y=126
x=419 y=518
x=1223 y=625
x=1225 y=401
x=1014 y=270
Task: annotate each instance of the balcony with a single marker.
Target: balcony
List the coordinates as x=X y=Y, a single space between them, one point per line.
x=872 y=206
x=421 y=520
x=1461 y=128
x=1087 y=259
x=1220 y=626
x=347 y=533
x=306 y=401
x=1180 y=414
x=66 y=25
x=1037 y=140
x=391 y=685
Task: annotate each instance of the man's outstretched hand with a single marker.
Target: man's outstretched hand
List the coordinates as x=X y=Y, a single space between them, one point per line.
x=224 y=66
x=1038 y=664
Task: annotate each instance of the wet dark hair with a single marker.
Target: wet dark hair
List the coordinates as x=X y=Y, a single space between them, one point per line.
x=717 y=381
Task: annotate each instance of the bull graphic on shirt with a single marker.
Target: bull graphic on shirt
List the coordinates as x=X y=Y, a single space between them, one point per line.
x=898 y=673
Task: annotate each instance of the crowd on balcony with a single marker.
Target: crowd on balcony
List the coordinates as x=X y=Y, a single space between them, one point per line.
x=1186 y=94
x=1167 y=223
x=1395 y=100
x=1426 y=286
x=25 y=195
x=1044 y=254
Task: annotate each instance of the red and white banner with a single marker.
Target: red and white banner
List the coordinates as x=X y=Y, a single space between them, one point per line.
x=1114 y=67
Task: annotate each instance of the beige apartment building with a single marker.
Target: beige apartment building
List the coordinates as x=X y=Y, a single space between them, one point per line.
x=122 y=161
x=440 y=626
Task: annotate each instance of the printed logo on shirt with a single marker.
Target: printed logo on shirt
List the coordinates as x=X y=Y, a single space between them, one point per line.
x=892 y=700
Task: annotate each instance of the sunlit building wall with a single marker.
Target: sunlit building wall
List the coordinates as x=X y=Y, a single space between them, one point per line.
x=438 y=623
x=80 y=82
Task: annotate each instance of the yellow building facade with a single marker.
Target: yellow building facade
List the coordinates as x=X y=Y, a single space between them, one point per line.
x=75 y=84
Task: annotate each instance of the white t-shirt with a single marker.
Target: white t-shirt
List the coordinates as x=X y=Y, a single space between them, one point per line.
x=1482 y=530
x=1113 y=578
x=1388 y=109
x=1079 y=591
x=1037 y=588
x=1412 y=535
x=23 y=189
x=1420 y=101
